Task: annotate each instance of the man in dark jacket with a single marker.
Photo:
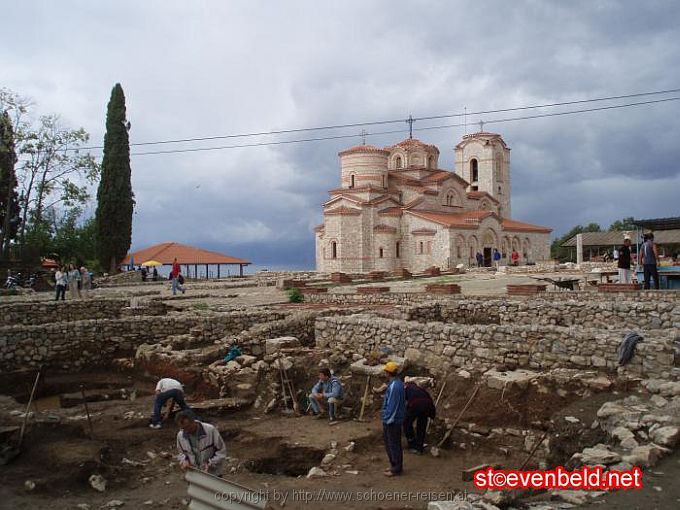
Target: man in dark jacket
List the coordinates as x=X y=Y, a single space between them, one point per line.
x=624 y=261
x=419 y=407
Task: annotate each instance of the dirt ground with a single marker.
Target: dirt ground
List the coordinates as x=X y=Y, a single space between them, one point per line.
x=267 y=452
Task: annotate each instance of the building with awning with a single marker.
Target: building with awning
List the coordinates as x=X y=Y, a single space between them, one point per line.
x=187 y=256
x=666 y=237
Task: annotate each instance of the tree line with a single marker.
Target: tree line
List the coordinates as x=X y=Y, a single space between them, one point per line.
x=46 y=180
x=557 y=252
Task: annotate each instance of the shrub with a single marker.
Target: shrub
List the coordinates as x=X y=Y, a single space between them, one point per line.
x=295 y=296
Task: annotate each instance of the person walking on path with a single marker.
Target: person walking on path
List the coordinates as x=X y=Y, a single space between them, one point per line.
x=60 y=280
x=496 y=257
x=419 y=408
x=199 y=445
x=167 y=389
x=175 y=275
x=650 y=257
x=329 y=389
x=515 y=258
x=74 y=281
x=393 y=413
x=480 y=259
x=624 y=261
x=86 y=282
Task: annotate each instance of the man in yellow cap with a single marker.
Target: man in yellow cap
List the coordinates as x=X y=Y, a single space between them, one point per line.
x=393 y=413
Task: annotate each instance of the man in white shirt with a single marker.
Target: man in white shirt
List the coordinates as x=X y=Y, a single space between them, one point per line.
x=167 y=389
x=199 y=445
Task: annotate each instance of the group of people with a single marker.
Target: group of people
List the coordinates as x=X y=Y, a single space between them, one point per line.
x=200 y=446
x=649 y=258
x=404 y=405
x=77 y=281
x=497 y=256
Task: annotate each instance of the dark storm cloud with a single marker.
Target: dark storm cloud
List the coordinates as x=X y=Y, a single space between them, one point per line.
x=208 y=68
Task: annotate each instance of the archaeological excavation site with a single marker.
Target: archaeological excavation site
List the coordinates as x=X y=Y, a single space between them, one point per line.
x=523 y=376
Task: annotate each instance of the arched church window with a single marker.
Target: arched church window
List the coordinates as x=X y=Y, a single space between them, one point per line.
x=430 y=162
x=351 y=181
x=380 y=252
x=420 y=248
x=384 y=182
x=398 y=163
x=334 y=250
x=397 y=249
x=474 y=170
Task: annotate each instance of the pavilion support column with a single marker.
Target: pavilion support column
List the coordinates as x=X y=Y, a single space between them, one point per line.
x=206 y=271
x=579 y=249
x=196 y=271
x=240 y=266
x=218 y=271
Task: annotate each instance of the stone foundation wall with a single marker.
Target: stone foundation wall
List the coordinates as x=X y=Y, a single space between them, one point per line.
x=597 y=314
x=72 y=345
x=508 y=346
x=43 y=312
x=402 y=298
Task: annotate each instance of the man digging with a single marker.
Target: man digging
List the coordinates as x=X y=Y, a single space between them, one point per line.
x=328 y=389
x=199 y=445
x=166 y=389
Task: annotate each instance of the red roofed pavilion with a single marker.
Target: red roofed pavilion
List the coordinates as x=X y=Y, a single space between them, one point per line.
x=166 y=253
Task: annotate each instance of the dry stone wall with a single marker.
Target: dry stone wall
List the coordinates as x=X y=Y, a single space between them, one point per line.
x=76 y=344
x=485 y=346
x=43 y=312
x=599 y=314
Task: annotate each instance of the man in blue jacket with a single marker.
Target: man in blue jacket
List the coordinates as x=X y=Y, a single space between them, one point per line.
x=393 y=413
x=329 y=389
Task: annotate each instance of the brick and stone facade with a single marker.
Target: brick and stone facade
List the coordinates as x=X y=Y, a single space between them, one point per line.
x=396 y=209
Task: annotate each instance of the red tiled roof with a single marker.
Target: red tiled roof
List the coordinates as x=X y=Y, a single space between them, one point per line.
x=478 y=195
x=423 y=232
x=482 y=135
x=468 y=219
x=413 y=143
x=165 y=253
x=471 y=219
x=356 y=189
x=343 y=211
x=364 y=148
x=391 y=211
x=518 y=226
x=381 y=227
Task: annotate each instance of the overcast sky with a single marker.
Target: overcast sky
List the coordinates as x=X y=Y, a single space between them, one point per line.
x=203 y=68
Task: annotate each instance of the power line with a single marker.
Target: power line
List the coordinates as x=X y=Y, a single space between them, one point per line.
x=390 y=121
x=426 y=128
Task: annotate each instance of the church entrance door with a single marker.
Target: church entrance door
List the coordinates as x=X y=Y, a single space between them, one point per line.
x=487 y=257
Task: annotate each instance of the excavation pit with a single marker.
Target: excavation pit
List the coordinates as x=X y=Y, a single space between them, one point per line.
x=287 y=461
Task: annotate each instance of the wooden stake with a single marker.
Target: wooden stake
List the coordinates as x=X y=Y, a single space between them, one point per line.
x=436 y=402
x=291 y=390
x=533 y=450
x=28 y=406
x=448 y=432
x=363 y=400
x=283 y=384
x=87 y=411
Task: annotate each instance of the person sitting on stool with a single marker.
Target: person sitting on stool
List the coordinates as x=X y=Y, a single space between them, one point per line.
x=329 y=388
x=167 y=389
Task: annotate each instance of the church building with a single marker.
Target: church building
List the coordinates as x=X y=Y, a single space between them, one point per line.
x=396 y=209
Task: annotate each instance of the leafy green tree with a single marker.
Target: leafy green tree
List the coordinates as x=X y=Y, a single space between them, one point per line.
x=623 y=225
x=562 y=254
x=53 y=172
x=9 y=199
x=115 y=200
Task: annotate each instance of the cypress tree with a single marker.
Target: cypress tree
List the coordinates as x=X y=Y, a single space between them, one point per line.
x=115 y=200
x=9 y=200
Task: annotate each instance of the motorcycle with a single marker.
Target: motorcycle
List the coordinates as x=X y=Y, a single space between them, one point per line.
x=16 y=280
